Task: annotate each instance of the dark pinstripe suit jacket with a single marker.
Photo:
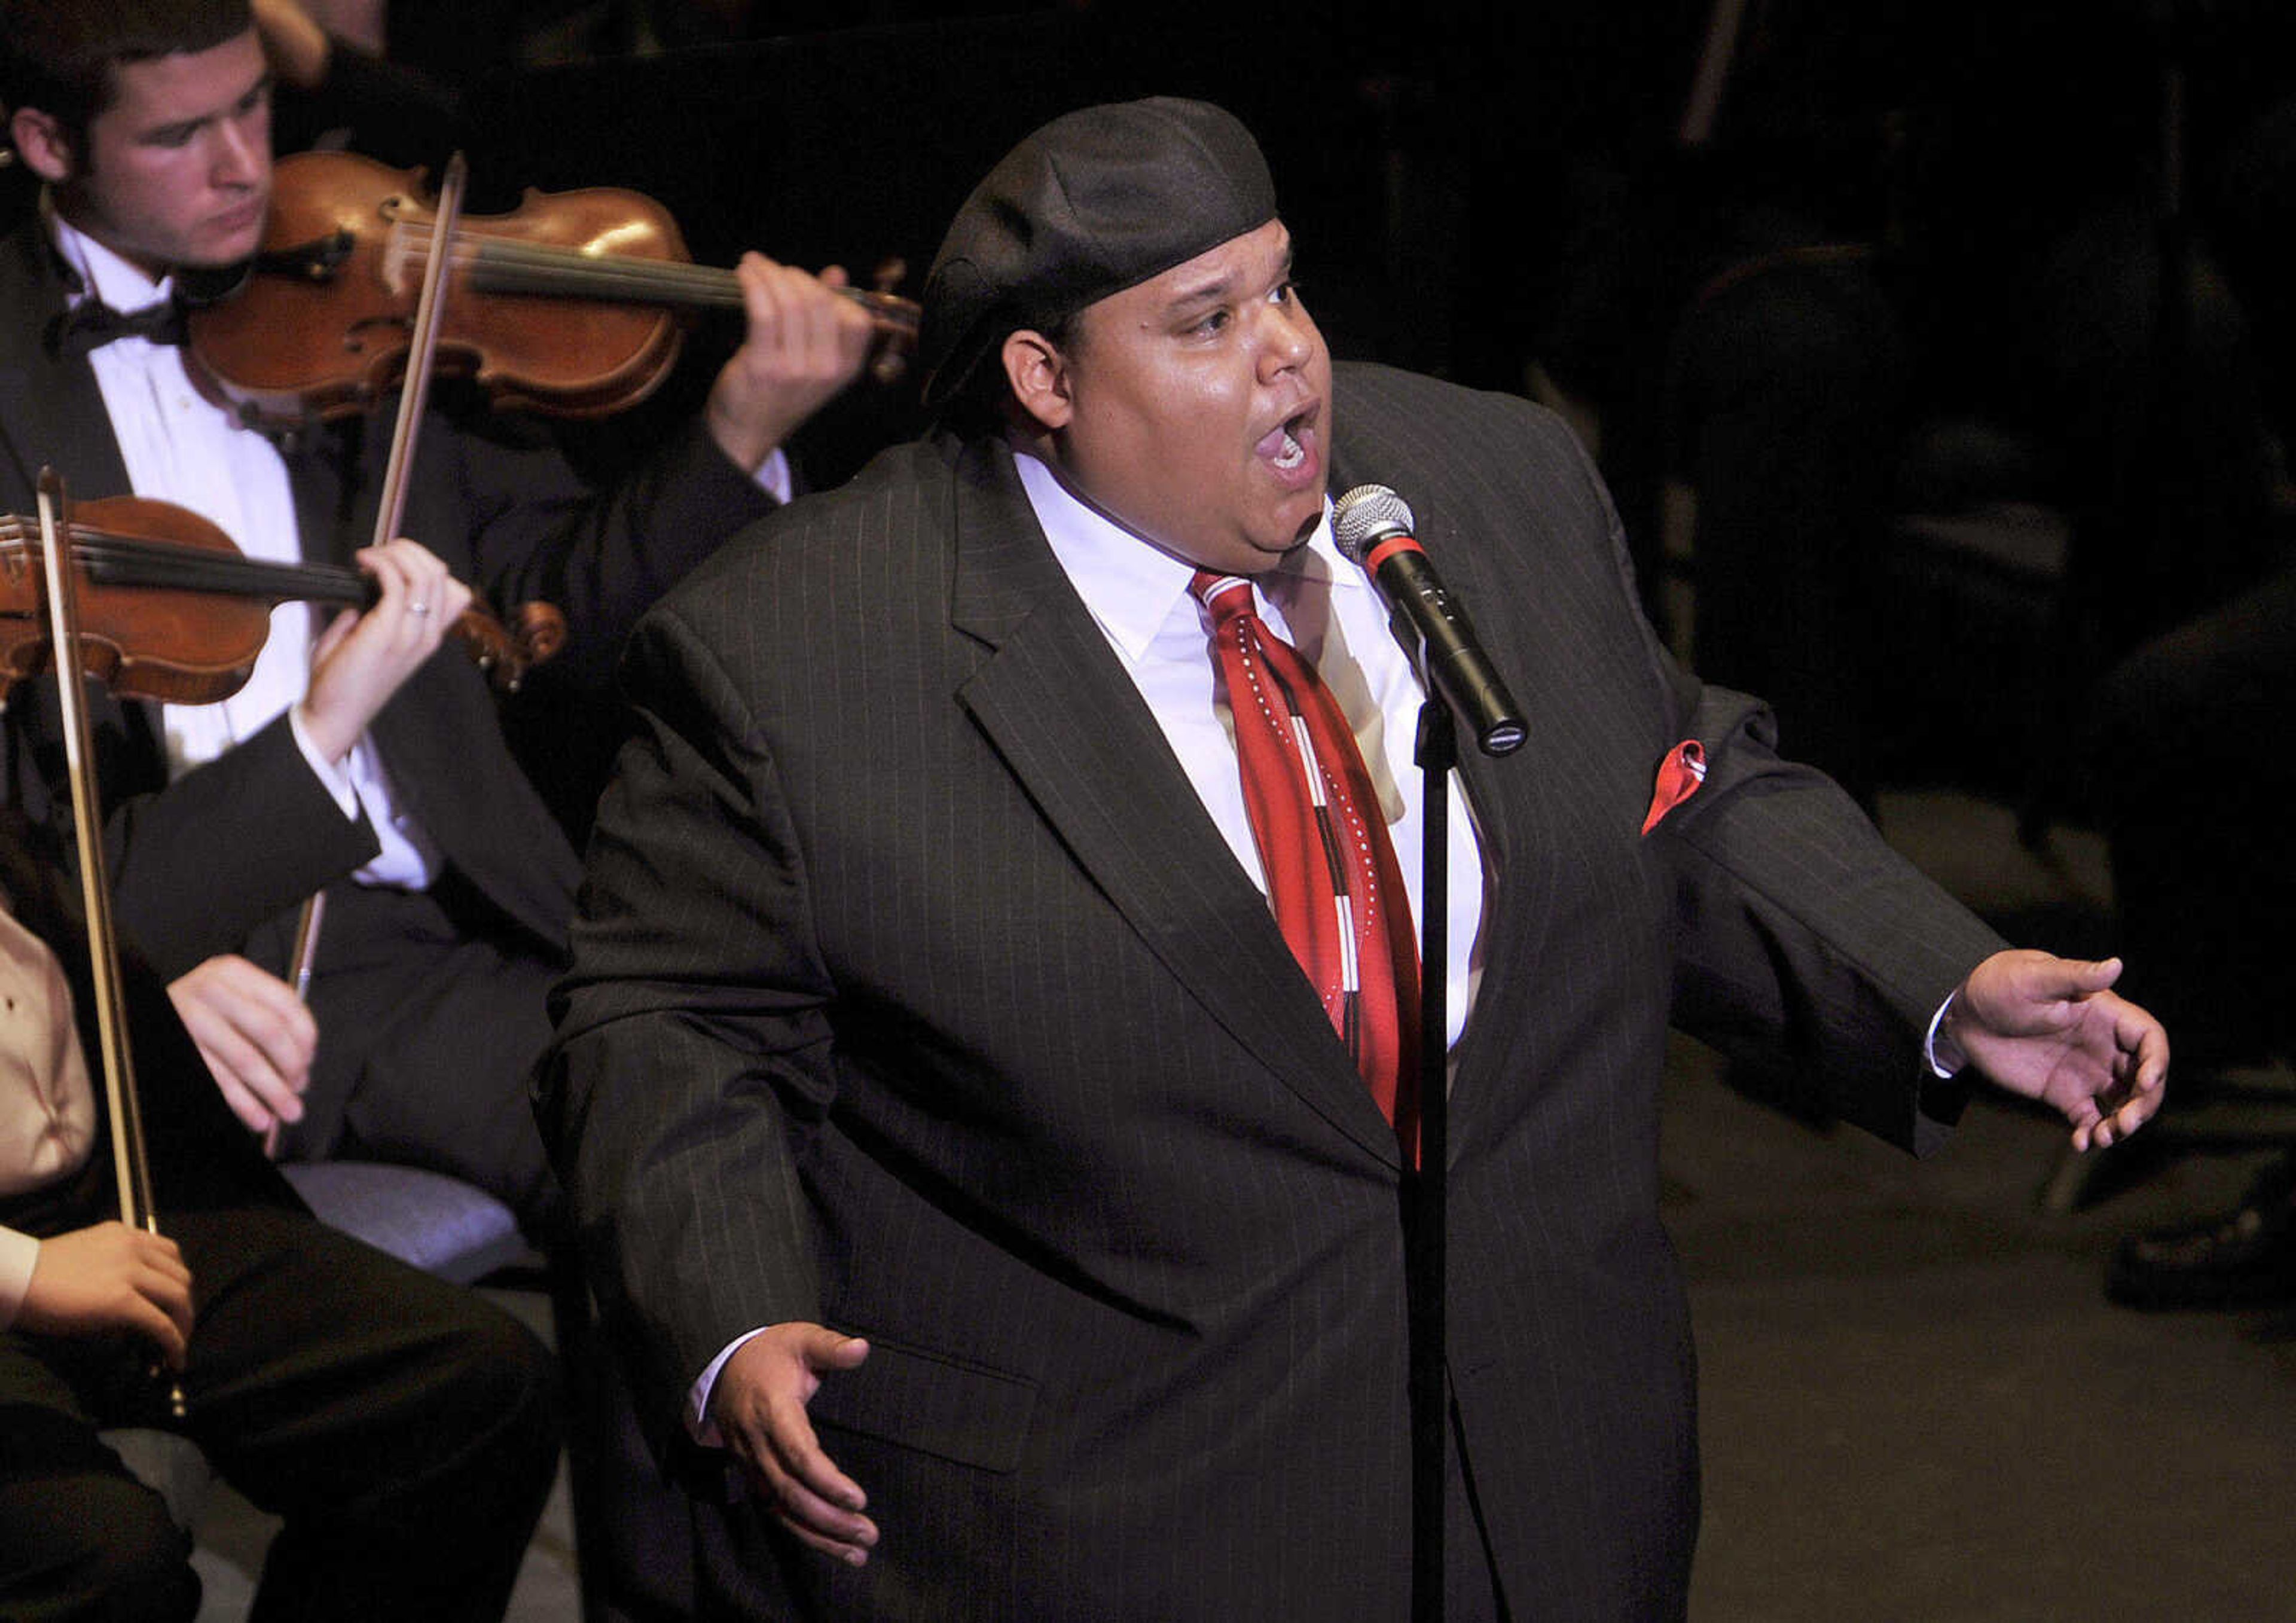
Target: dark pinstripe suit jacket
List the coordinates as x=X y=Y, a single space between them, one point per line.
x=915 y=992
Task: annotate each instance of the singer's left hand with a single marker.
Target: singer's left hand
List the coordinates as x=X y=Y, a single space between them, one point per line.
x=2051 y=1028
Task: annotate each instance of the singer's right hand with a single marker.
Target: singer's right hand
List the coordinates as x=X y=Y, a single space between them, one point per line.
x=110 y=1277
x=758 y=1403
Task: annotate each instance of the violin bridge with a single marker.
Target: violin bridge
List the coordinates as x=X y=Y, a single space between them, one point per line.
x=397 y=260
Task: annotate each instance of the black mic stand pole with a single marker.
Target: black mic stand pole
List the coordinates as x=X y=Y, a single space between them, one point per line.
x=1424 y=1263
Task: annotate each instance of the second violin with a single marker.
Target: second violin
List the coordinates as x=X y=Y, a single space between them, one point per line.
x=568 y=305
x=170 y=609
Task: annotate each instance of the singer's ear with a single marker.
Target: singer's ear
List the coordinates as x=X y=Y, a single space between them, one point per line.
x=1039 y=372
x=42 y=144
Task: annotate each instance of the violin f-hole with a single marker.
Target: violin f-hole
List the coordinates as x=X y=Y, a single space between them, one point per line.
x=395 y=332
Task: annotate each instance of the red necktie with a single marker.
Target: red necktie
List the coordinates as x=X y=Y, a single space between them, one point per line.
x=1332 y=879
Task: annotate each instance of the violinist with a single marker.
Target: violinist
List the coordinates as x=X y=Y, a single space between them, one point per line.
x=405 y=1429
x=353 y=762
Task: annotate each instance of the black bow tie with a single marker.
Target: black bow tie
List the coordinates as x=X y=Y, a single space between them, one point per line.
x=90 y=324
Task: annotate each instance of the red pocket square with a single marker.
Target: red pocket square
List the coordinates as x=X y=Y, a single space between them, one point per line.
x=1679 y=775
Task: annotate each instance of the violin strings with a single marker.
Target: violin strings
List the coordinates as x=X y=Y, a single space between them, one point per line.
x=112 y=559
x=504 y=265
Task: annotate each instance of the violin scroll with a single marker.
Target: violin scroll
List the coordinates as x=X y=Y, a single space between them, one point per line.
x=507 y=652
x=896 y=321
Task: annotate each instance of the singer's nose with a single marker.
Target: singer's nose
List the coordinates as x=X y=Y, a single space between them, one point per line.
x=1290 y=337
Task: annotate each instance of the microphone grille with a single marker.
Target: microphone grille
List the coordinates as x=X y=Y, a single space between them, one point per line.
x=1366 y=514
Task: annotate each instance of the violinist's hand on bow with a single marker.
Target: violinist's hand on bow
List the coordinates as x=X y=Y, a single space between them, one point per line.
x=257 y=1036
x=805 y=342
x=110 y=1277
x=2052 y=1029
x=362 y=658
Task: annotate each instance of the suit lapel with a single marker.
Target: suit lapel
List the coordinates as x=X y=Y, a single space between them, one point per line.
x=52 y=414
x=51 y=411
x=1074 y=730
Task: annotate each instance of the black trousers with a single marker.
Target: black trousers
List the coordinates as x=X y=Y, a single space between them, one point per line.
x=405 y=1429
x=431 y=1010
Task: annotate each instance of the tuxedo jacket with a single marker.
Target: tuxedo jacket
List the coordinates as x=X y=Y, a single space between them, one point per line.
x=915 y=992
x=247 y=836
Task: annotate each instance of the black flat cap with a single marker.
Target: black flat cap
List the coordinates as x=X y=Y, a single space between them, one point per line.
x=1096 y=201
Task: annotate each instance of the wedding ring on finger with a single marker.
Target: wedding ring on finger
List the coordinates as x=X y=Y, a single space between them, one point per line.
x=418 y=608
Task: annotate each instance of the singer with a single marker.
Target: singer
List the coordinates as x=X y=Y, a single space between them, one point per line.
x=978 y=1074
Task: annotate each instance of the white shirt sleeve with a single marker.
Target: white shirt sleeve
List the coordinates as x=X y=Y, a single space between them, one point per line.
x=336 y=778
x=18 y=1253
x=1945 y=1057
x=775 y=478
x=698 y=1424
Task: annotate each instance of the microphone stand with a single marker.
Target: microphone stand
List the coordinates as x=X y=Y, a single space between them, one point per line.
x=1424 y=1263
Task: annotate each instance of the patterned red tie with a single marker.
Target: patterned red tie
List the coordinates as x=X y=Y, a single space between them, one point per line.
x=1332 y=877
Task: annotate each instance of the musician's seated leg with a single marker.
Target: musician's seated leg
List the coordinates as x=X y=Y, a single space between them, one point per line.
x=405 y=1429
x=79 y=1536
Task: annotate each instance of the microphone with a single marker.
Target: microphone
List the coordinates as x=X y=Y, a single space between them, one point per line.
x=1373 y=526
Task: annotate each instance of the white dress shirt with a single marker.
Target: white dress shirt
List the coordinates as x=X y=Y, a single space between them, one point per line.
x=1325 y=607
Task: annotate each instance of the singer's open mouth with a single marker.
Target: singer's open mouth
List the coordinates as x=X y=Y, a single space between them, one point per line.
x=1290 y=446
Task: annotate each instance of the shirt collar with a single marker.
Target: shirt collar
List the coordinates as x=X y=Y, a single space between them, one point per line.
x=1131 y=587
x=103 y=274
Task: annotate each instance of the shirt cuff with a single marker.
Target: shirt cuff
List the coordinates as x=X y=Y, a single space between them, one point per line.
x=336 y=778
x=775 y=479
x=699 y=1426
x=19 y=1251
x=1945 y=1057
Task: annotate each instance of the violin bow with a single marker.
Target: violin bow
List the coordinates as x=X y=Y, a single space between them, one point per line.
x=1704 y=104
x=304 y=954
x=422 y=348
x=414 y=393
x=131 y=1168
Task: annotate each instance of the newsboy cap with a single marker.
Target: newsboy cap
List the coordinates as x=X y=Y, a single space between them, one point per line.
x=1096 y=201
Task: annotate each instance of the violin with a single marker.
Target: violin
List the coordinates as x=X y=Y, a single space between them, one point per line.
x=170 y=609
x=569 y=304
